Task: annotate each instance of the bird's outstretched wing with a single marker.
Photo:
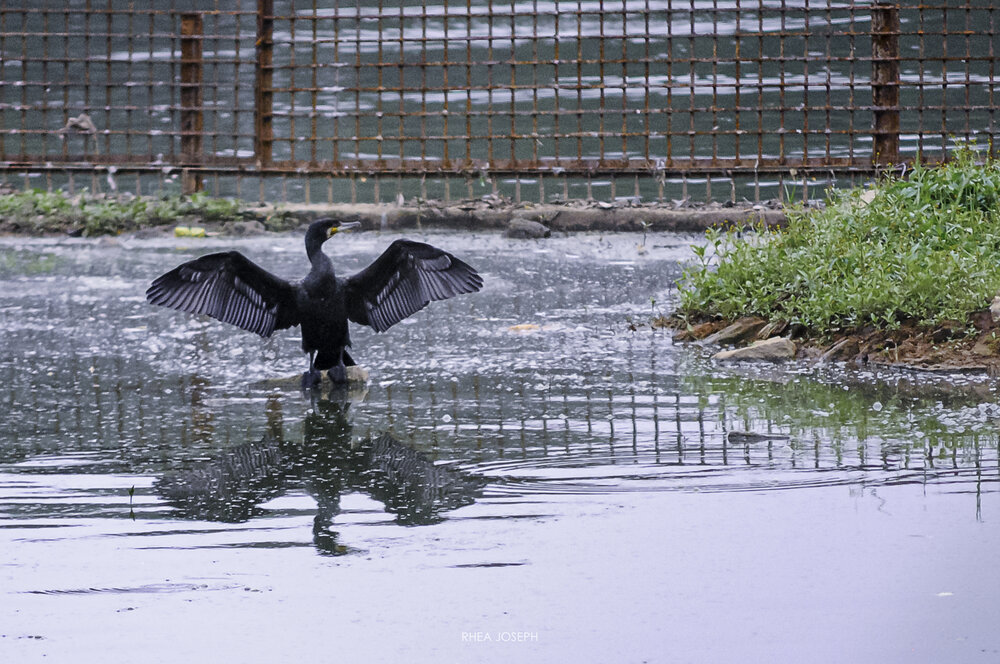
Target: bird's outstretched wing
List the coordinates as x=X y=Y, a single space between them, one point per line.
x=228 y=287
x=403 y=280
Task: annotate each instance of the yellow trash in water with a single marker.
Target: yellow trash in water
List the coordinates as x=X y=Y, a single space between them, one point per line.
x=189 y=231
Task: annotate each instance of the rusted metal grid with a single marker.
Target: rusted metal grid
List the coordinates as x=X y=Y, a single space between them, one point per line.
x=639 y=98
x=108 y=86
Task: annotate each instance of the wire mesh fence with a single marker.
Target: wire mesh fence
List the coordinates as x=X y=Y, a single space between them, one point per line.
x=534 y=99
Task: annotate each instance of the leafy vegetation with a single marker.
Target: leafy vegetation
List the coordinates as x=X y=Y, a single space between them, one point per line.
x=39 y=211
x=923 y=248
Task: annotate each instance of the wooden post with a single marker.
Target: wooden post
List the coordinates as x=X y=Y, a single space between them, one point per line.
x=885 y=83
x=263 y=96
x=192 y=118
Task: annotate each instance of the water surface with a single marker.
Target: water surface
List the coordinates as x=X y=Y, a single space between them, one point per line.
x=524 y=479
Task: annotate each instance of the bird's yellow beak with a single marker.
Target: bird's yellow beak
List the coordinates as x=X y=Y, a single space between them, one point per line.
x=346 y=226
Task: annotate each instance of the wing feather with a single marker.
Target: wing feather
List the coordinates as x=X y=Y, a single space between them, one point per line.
x=403 y=280
x=231 y=288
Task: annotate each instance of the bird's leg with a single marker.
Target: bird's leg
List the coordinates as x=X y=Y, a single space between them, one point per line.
x=312 y=378
x=338 y=372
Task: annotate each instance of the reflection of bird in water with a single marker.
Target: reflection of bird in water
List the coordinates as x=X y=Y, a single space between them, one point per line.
x=231 y=288
x=231 y=486
x=327 y=463
x=409 y=484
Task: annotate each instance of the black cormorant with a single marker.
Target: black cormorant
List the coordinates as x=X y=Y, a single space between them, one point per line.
x=233 y=289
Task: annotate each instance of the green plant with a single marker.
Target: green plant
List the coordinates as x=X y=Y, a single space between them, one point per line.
x=926 y=247
x=39 y=211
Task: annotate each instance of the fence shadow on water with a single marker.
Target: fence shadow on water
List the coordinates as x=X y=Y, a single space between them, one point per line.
x=650 y=426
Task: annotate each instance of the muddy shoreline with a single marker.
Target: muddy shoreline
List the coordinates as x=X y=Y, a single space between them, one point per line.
x=490 y=212
x=951 y=347
x=494 y=213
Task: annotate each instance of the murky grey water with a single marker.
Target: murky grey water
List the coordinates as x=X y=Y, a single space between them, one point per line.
x=524 y=480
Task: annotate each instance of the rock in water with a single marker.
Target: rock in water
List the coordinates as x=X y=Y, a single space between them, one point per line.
x=776 y=348
x=525 y=228
x=357 y=378
x=750 y=437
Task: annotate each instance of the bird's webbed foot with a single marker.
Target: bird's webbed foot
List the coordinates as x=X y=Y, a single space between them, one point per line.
x=338 y=374
x=312 y=379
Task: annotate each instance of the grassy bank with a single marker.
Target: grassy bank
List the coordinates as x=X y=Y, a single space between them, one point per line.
x=40 y=212
x=924 y=249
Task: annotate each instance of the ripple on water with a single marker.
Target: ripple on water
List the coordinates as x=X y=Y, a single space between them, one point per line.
x=151 y=588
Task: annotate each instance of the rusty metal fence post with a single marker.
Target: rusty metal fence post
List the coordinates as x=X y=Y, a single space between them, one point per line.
x=192 y=119
x=885 y=83
x=264 y=81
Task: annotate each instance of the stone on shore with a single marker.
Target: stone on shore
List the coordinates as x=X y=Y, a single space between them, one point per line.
x=843 y=349
x=995 y=309
x=986 y=346
x=742 y=329
x=244 y=228
x=772 y=329
x=691 y=333
x=776 y=348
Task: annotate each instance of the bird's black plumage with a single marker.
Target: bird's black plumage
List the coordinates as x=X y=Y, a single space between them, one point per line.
x=233 y=289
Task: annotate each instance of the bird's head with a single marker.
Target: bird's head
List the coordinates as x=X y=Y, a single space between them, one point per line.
x=327 y=227
x=322 y=230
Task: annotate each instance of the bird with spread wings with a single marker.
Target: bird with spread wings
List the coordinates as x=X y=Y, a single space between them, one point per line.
x=233 y=289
